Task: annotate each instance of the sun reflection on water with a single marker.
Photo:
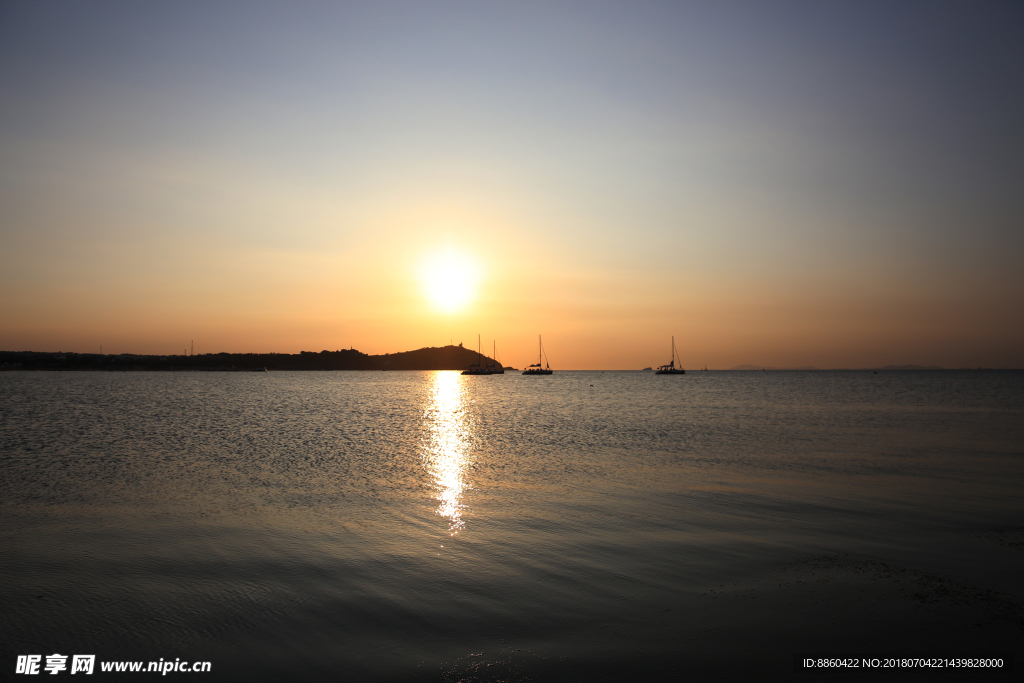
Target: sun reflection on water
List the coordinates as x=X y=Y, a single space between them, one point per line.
x=446 y=448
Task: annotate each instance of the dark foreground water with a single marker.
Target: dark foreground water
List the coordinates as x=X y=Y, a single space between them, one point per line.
x=582 y=526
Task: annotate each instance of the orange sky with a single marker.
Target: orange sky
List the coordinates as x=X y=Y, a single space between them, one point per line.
x=754 y=184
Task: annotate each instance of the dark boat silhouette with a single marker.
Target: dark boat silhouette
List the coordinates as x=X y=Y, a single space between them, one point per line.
x=478 y=368
x=671 y=368
x=537 y=369
x=495 y=367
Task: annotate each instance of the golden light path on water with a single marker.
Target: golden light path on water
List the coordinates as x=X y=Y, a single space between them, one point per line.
x=446 y=450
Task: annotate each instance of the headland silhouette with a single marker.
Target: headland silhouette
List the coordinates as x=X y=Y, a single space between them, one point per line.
x=451 y=357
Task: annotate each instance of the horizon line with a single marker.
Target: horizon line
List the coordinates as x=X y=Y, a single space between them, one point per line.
x=743 y=367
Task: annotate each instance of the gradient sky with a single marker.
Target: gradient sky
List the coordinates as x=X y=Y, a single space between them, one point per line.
x=837 y=184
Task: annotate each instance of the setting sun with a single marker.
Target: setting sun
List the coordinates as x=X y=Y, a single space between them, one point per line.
x=449 y=278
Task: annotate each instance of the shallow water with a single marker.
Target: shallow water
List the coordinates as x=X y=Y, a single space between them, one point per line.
x=389 y=525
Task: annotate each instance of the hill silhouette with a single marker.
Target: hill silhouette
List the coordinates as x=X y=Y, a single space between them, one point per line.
x=431 y=358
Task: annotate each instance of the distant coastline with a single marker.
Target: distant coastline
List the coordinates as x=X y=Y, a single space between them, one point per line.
x=433 y=358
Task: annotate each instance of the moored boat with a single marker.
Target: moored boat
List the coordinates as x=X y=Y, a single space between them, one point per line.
x=495 y=367
x=478 y=368
x=671 y=368
x=537 y=369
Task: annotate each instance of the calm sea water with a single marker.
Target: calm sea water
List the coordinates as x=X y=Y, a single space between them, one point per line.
x=370 y=526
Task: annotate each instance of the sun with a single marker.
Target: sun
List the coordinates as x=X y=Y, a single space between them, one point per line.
x=449 y=278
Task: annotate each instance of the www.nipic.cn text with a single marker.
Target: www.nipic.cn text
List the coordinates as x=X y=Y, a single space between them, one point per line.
x=86 y=664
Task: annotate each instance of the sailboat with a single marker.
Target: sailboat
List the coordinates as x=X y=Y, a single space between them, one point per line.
x=477 y=368
x=495 y=367
x=537 y=369
x=671 y=368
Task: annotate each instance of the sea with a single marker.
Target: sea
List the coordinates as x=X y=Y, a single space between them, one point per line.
x=380 y=526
